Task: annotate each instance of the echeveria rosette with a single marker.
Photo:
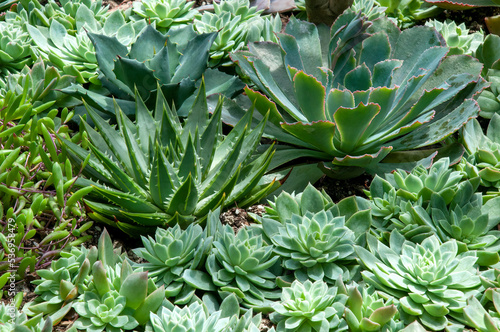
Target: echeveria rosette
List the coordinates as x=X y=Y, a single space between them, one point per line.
x=166 y=14
x=309 y=307
x=407 y=12
x=237 y=24
x=15 y=48
x=351 y=106
x=170 y=253
x=489 y=54
x=314 y=246
x=103 y=313
x=457 y=37
x=13 y=320
x=366 y=310
x=467 y=220
x=431 y=280
x=242 y=264
x=483 y=152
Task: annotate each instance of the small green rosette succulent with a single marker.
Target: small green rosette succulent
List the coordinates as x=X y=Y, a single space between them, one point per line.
x=315 y=246
x=242 y=264
x=165 y=14
x=484 y=318
x=489 y=54
x=170 y=254
x=15 y=48
x=308 y=307
x=431 y=280
x=457 y=37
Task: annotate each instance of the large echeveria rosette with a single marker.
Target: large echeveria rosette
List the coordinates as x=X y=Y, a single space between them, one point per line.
x=431 y=280
x=314 y=246
x=244 y=265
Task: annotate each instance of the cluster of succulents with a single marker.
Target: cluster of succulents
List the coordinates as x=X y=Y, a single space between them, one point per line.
x=140 y=120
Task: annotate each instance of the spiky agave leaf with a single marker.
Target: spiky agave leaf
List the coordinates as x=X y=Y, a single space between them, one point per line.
x=159 y=172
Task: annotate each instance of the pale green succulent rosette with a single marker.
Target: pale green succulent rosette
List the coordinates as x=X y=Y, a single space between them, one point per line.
x=165 y=14
x=13 y=320
x=315 y=246
x=15 y=48
x=170 y=253
x=481 y=318
x=309 y=307
x=457 y=37
x=237 y=24
x=242 y=264
x=431 y=280
x=483 y=152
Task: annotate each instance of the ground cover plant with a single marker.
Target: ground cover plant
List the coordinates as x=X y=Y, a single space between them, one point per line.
x=195 y=136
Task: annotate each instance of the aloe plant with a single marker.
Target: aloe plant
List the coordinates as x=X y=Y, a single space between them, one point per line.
x=351 y=107
x=431 y=280
x=176 y=173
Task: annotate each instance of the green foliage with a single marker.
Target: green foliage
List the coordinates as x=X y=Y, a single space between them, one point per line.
x=172 y=252
x=483 y=152
x=15 y=48
x=242 y=264
x=309 y=307
x=489 y=54
x=315 y=246
x=407 y=12
x=431 y=280
x=483 y=320
x=457 y=37
x=237 y=24
x=351 y=106
x=41 y=84
x=165 y=14
x=175 y=173
x=175 y=62
x=11 y=320
x=72 y=14
x=366 y=310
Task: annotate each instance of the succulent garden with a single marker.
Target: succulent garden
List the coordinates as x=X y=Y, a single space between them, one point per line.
x=144 y=125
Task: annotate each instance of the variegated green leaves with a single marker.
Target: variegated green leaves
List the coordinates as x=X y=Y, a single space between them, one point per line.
x=160 y=172
x=359 y=93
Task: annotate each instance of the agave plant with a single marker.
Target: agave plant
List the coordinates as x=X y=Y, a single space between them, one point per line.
x=488 y=53
x=366 y=310
x=431 y=280
x=457 y=37
x=165 y=14
x=15 y=46
x=176 y=173
x=176 y=62
x=343 y=103
x=243 y=264
x=483 y=152
x=237 y=24
x=309 y=307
